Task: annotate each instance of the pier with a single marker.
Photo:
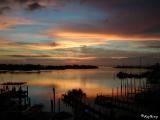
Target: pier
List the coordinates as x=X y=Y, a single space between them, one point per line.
x=14 y=95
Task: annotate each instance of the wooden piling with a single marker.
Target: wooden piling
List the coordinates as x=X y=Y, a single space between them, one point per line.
x=131 y=88
x=59 y=105
x=117 y=92
x=54 y=99
x=29 y=101
x=112 y=95
x=121 y=87
x=51 y=105
x=125 y=88
x=117 y=96
x=134 y=86
x=27 y=93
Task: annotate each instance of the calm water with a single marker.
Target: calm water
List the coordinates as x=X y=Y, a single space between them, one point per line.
x=91 y=81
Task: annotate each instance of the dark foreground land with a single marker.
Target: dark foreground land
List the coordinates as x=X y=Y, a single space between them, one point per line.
x=15 y=105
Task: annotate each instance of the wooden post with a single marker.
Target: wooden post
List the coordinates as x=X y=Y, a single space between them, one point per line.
x=127 y=90
x=59 y=105
x=125 y=87
x=112 y=95
x=112 y=92
x=131 y=88
x=27 y=93
x=134 y=86
x=121 y=87
x=117 y=92
x=29 y=101
x=54 y=98
x=51 y=105
x=117 y=96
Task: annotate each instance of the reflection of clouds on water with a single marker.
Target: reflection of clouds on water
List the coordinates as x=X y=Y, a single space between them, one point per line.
x=91 y=81
x=64 y=85
x=45 y=83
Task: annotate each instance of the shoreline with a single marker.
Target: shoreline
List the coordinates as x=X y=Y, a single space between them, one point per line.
x=28 y=68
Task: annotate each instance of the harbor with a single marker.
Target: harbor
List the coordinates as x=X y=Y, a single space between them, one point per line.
x=127 y=100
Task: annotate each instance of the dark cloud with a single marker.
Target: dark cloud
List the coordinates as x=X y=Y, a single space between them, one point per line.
x=123 y=17
x=35 y=6
x=29 y=56
x=31 y=4
x=126 y=17
x=153 y=30
x=154 y=44
x=22 y=1
x=54 y=44
x=129 y=16
x=4 y=9
x=3 y=1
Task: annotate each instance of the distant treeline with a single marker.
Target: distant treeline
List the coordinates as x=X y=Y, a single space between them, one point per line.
x=155 y=66
x=30 y=67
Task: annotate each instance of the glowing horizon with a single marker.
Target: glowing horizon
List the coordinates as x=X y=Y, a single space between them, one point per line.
x=84 y=32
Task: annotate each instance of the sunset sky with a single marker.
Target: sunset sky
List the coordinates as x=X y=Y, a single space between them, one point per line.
x=98 y=32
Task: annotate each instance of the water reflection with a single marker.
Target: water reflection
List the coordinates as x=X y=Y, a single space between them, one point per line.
x=92 y=81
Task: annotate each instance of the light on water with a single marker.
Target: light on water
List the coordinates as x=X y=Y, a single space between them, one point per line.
x=91 y=81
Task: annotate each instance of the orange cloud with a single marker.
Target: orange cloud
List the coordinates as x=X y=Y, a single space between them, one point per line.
x=5 y=43
x=20 y=51
x=7 y=22
x=98 y=38
x=71 y=39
